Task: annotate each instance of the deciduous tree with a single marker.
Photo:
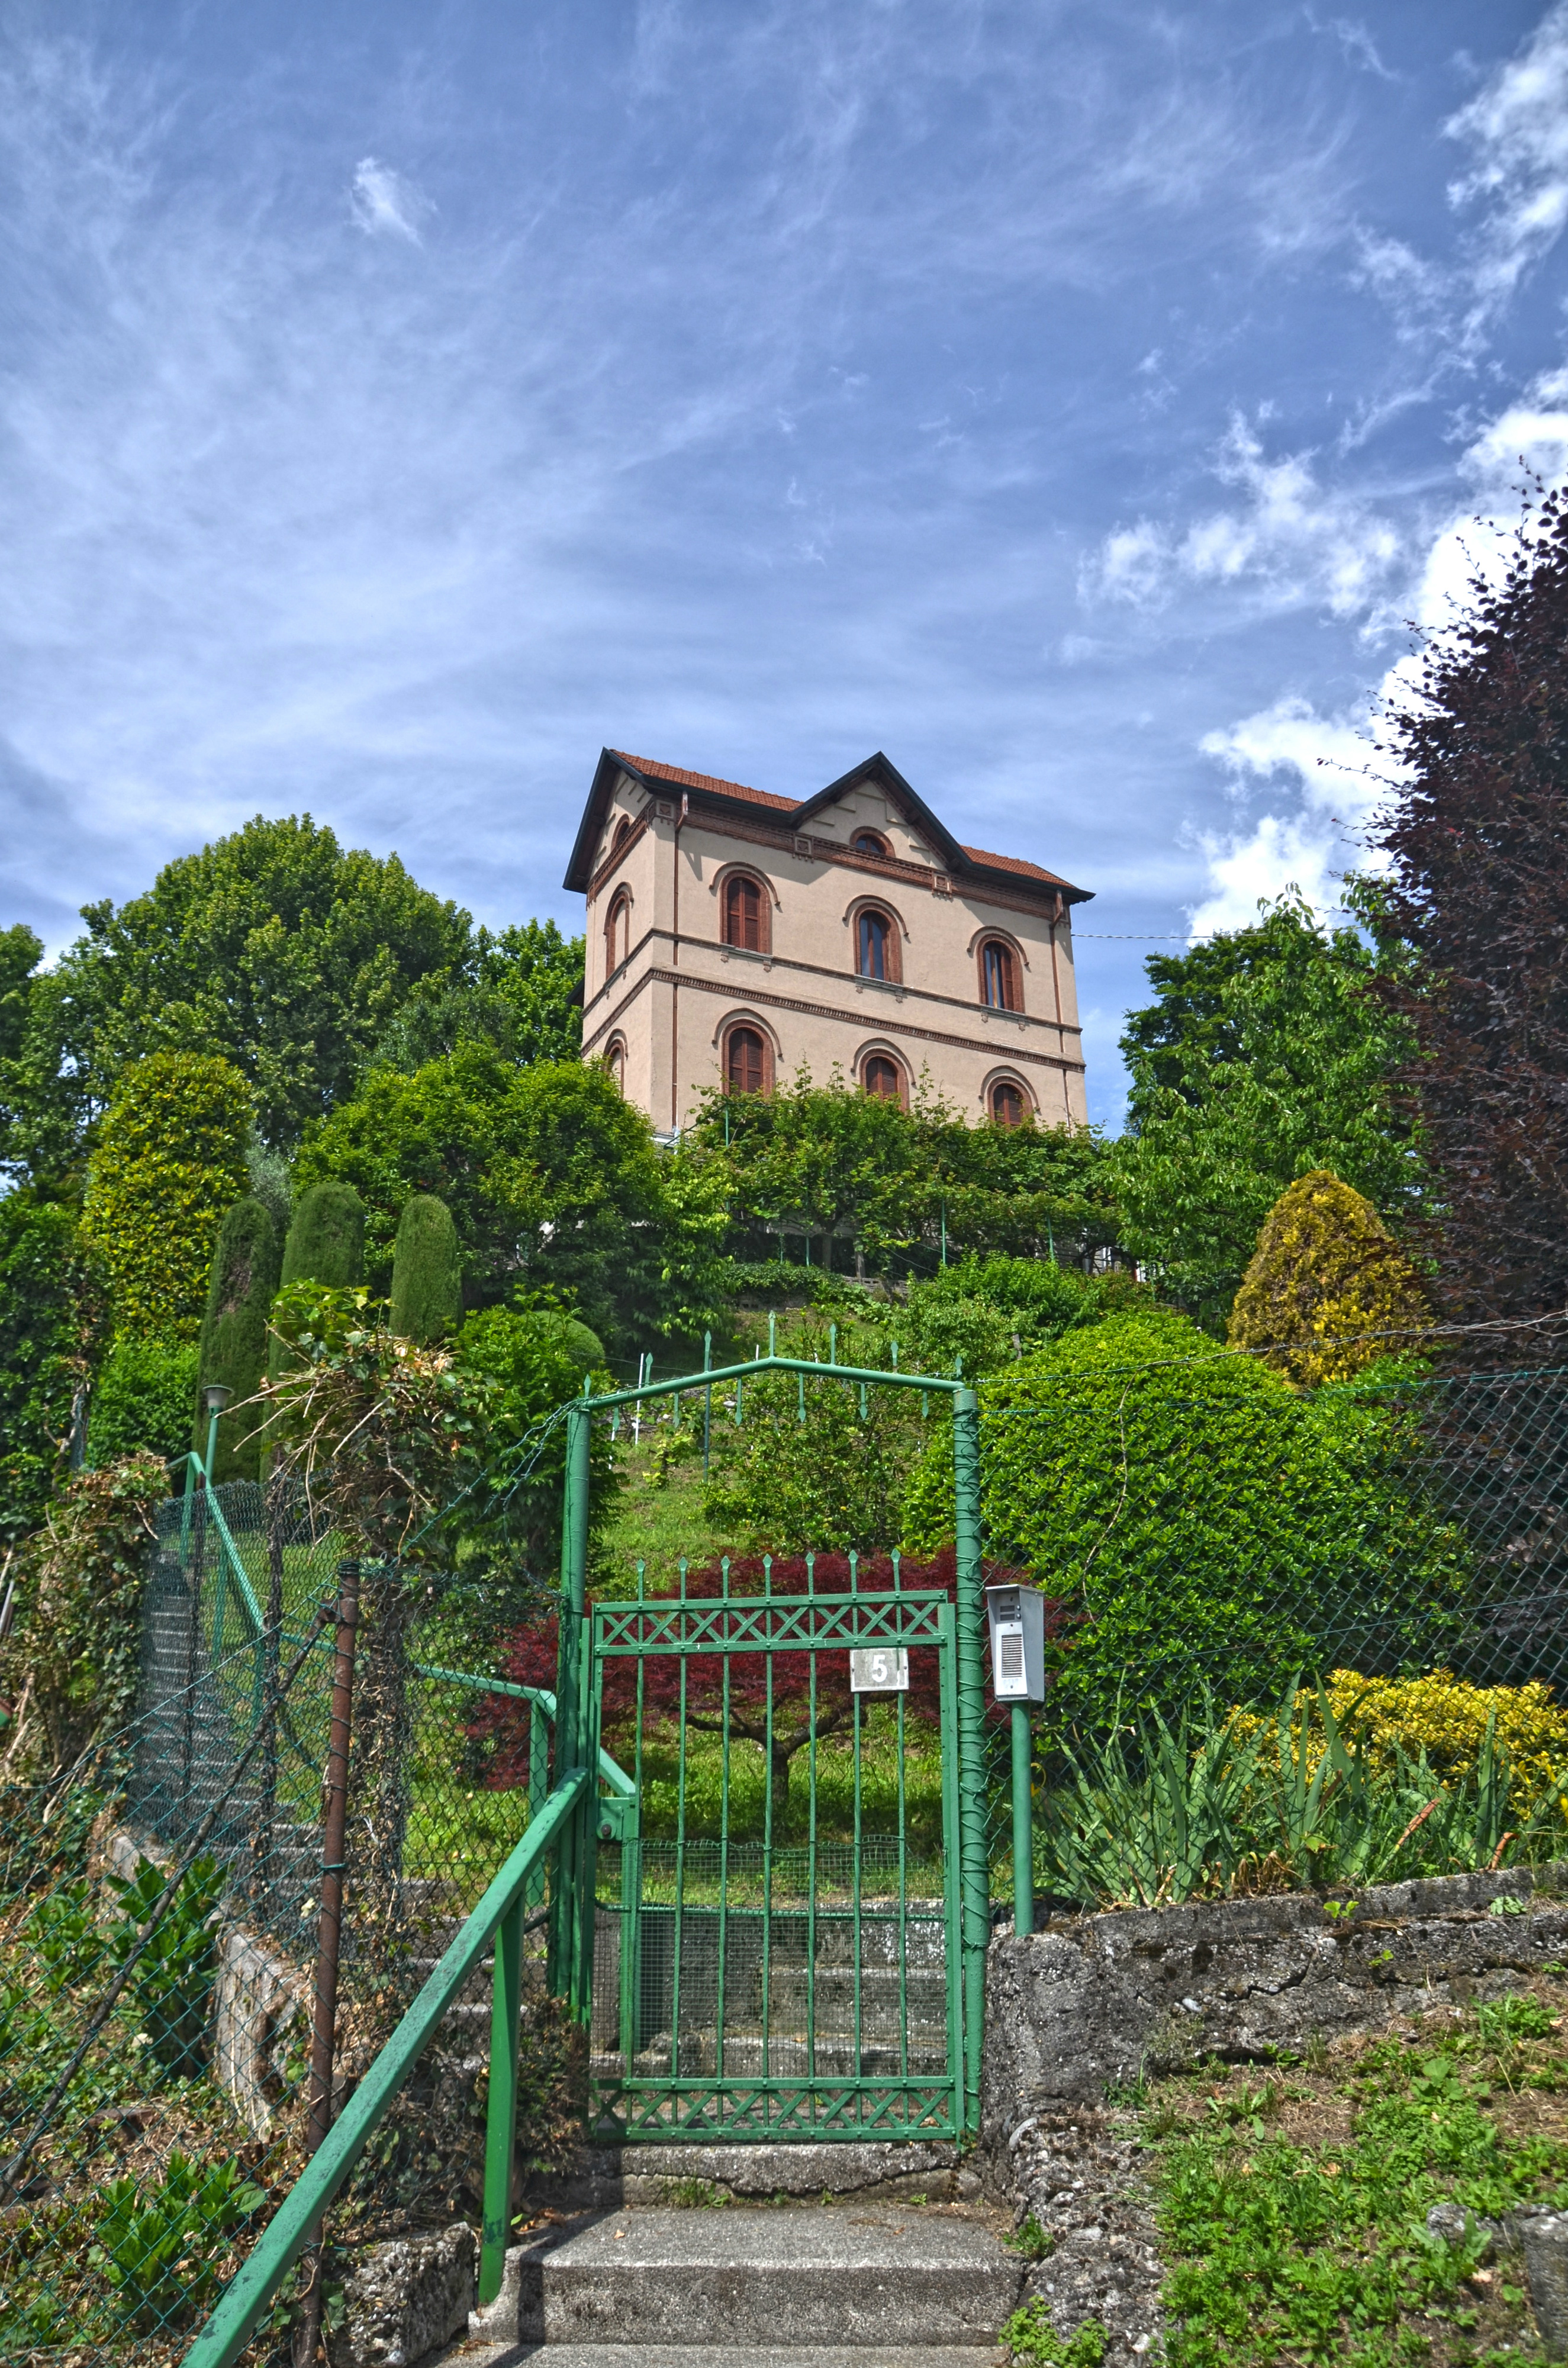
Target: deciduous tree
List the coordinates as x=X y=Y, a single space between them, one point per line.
x=1475 y=832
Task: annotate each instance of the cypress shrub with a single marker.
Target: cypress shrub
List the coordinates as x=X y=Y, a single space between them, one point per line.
x=246 y=1267
x=1326 y=1270
x=325 y=1243
x=427 y=1277
x=326 y=1238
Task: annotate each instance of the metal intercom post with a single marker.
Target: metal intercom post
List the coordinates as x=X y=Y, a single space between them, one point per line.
x=1016 y=1617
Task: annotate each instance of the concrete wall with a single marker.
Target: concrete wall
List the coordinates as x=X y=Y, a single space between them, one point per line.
x=676 y=989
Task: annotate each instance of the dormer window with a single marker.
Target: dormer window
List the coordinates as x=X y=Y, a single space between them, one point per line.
x=745 y=914
x=872 y=936
x=999 y=975
x=869 y=842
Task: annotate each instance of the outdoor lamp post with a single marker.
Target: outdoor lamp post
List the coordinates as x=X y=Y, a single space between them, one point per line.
x=214 y=1398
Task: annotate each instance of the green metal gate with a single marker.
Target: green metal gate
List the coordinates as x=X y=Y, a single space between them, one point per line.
x=796 y=1975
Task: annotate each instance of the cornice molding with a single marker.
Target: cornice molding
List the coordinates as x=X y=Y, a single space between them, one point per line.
x=897 y=1028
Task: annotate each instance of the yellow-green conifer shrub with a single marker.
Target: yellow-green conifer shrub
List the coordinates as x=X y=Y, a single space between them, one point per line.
x=169 y=1159
x=1326 y=1272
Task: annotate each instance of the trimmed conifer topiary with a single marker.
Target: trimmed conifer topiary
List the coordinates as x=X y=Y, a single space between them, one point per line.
x=325 y=1243
x=245 y=1265
x=326 y=1237
x=426 y=1278
x=1327 y=1279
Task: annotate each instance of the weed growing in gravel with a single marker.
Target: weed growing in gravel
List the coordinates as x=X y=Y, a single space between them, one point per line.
x=1029 y=2336
x=1032 y=2242
x=1294 y=2213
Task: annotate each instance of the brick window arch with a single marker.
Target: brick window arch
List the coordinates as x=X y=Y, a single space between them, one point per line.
x=1007 y=1103
x=882 y=1076
x=617 y=932
x=749 y=1065
x=621 y=828
x=1000 y=985
x=869 y=842
x=745 y=913
x=874 y=943
x=615 y=1062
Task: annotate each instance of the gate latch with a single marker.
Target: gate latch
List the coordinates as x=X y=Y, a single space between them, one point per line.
x=618 y=1818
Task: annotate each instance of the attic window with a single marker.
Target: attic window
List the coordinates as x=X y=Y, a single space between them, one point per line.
x=869 y=842
x=621 y=828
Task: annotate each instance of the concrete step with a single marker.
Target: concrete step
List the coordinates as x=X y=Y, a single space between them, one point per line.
x=792 y=2277
x=482 y=2354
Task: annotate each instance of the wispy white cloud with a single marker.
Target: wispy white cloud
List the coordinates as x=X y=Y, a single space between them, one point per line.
x=1516 y=126
x=1322 y=773
x=384 y=204
x=1288 y=539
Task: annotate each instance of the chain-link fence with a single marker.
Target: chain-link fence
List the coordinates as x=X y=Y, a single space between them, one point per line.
x=1247 y=1584
x=159 y=1912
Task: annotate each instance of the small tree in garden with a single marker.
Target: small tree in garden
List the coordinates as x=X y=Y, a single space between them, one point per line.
x=325 y=1241
x=71 y=1661
x=169 y=1159
x=233 y=1332
x=1326 y=1278
x=807 y=1468
x=803 y=1710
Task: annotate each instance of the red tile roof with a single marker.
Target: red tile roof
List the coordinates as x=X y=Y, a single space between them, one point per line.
x=1014 y=864
x=706 y=781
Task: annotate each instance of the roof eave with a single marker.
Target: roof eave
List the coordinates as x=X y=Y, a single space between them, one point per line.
x=580 y=869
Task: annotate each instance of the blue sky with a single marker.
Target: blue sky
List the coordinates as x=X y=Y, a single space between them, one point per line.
x=397 y=403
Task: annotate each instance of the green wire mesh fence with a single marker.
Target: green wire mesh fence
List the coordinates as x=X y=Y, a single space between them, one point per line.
x=1219 y=1554
x=158 y=1932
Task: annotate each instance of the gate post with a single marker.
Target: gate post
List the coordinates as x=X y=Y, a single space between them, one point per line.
x=567 y=1904
x=974 y=1869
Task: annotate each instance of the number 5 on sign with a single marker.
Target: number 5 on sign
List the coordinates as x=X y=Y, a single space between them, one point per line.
x=880 y=1669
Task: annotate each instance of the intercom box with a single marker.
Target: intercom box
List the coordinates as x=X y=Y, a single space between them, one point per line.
x=1017 y=1618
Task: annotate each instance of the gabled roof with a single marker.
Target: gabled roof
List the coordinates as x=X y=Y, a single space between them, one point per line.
x=961 y=861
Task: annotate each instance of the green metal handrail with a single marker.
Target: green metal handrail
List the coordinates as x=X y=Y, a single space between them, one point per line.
x=612 y=1772
x=498 y=1917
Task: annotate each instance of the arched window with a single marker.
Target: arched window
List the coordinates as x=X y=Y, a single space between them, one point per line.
x=744 y=921
x=874 y=931
x=746 y=1062
x=615 y=1062
x=1007 y=1104
x=869 y=842
x=622 y=827
x=618 y=934
x=880 y=1077
x=999 y=975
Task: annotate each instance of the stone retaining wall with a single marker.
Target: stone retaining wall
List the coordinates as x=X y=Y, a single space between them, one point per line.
x=1091 y=2002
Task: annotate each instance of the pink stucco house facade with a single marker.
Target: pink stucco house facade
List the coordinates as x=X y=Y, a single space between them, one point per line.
x=734 y=936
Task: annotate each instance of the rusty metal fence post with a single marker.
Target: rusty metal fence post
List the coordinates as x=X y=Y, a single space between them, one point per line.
x=329 y=1932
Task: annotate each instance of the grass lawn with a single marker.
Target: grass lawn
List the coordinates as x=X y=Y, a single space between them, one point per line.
x=655 y=1525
